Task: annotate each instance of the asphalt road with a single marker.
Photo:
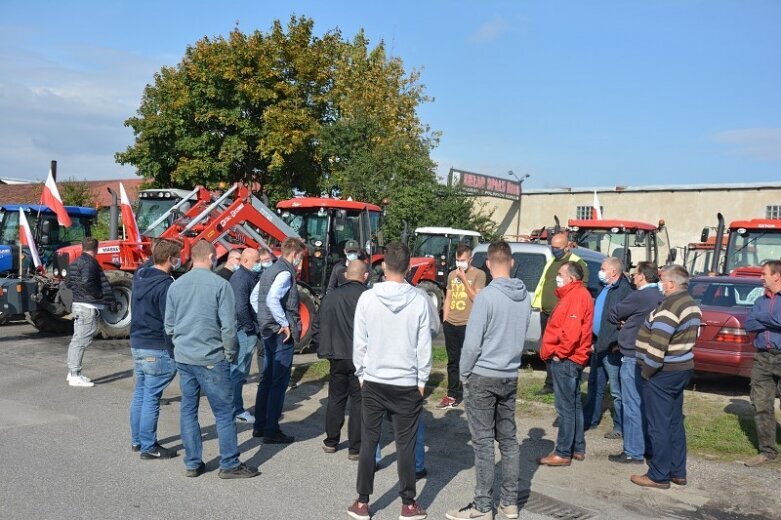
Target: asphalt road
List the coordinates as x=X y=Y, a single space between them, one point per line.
x=65 y=453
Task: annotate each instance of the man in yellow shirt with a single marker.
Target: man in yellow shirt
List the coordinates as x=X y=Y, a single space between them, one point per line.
x=463 y=284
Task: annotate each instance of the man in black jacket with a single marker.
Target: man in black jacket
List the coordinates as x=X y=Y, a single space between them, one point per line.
x=242 y=282
x=606 y=357
x=91 y=293
x=153 y=351
x=630 y=314
x=332 y=335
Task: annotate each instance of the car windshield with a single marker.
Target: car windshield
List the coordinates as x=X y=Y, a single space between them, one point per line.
x=431 y=245
x=528 y=267
x=753 y=248
x=725 y=294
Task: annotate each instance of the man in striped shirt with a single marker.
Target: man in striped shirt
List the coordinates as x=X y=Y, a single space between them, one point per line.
x=666 y=362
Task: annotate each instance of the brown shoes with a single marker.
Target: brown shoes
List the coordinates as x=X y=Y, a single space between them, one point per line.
x=579 y=456
x=758 y=460
x=554 y=460
x=679 y=481
x=644 y=481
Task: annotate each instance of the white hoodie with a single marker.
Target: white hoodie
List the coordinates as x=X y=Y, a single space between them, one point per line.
x=394 y=325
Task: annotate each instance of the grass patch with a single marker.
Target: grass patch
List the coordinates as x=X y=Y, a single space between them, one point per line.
x=313 y=372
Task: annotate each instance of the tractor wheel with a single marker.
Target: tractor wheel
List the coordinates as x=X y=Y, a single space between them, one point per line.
x=116 y=325
x=435 y=293
x=308 y=310
x=45 y=321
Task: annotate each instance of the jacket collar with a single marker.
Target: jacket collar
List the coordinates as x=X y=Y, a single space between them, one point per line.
x=561 y=292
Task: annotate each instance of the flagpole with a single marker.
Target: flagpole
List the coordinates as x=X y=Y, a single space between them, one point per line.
x=21 y=271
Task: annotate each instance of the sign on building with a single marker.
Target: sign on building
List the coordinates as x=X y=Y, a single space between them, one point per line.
x=484 y=185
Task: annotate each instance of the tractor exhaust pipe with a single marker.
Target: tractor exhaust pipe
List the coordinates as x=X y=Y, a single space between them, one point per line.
x=113 y=216
x=557 y=226
x=717 y=244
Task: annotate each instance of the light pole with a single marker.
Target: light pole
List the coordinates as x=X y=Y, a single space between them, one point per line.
x=520 y=190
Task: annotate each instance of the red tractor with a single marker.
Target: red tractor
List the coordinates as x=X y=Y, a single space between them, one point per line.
x=749 y=243
x=237 y=219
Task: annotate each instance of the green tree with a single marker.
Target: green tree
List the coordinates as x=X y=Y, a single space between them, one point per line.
x=293 y=111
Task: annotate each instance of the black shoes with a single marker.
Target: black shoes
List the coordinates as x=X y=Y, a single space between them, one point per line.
x=197 y=472
x=623 y=458
x=135 y=447
x=277 y=438
x=158 y=452
x=421 y=474
x=240 y=471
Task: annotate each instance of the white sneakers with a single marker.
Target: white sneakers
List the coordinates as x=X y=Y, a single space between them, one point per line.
x=245 y=417
x=79 y=381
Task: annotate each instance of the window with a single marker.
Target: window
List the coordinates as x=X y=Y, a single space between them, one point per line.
x=773 y=212
x=584 y=212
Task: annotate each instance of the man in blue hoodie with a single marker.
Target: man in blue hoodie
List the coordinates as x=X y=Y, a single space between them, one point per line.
x=489 y=367
x=152 y=349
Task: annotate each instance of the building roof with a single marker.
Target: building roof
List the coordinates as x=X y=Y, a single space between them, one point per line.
x=31 y=193
x=657 y=187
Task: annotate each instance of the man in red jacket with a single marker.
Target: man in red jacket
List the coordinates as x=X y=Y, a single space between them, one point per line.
x=567 y=343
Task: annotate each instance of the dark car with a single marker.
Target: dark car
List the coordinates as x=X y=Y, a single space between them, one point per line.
x=723 y=346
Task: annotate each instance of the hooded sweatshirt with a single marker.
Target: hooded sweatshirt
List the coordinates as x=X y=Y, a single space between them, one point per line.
x=150 y=287
x=496 y=330
x=392 y=335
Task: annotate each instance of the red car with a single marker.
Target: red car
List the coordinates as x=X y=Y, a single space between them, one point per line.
x=723 y=346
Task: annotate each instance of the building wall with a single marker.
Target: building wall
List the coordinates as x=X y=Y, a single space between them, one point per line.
x=684 y=212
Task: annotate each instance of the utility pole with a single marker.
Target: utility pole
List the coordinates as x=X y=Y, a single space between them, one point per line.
x=520 y=192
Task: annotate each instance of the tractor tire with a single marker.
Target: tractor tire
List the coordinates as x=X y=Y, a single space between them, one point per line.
x=46 y=322
x=307 y=307
x=116 y=325
x=435 y=293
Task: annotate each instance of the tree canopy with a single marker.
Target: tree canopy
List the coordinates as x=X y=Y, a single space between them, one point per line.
x=293 y=111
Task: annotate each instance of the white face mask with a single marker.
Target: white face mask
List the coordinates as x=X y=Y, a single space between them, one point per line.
x=296 y=261
x=462 y=265
x=559 y=281
x=176 y=263
x=602 y=275
x=352 y=257
x=266 y=265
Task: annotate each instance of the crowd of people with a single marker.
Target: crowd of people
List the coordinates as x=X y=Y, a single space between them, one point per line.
x=637 y=337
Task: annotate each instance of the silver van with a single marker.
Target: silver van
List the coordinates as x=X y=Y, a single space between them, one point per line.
x=530 y=260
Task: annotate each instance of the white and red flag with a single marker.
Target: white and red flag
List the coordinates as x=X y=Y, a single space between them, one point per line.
x=596 y=209
x=26 y=238
x=50 y=196
x=128 y=218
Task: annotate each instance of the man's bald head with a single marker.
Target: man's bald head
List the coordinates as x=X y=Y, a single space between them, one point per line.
x=356 y=271
x=249 y=257
x=559 y=240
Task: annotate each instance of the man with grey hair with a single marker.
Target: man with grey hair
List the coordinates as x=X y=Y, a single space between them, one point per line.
x=606 y=357
x=765 y=320
x=231 y=264
x=666 y=362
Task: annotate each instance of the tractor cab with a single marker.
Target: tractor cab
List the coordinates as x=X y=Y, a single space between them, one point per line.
x=440 y=243
x=751 y=243
x=326 y=225
x=629 y=241
x=155 y=203
x=698 y=256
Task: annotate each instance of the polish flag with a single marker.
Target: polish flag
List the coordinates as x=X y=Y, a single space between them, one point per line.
x=128 y=218
x=50 y=196
x=596 y=209
x=26 y=238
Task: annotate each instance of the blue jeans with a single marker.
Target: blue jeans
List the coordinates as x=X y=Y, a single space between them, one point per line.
x=569 y=407
x=663 y=399
x=240 y=368
x=154 y=370
x=277 y=363
x=420 y=448
x=605 y=366
x=632 y=405
x=215 y=382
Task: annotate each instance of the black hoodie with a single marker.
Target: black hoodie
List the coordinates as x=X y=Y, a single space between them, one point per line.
x=150 y=288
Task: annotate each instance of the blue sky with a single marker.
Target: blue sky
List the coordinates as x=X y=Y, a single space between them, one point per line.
x=575 y=93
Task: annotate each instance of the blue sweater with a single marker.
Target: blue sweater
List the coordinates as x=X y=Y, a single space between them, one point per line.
x=200 y=315
x=242 y=282
x=150 y=287
x=765 y=320
x=633 y=310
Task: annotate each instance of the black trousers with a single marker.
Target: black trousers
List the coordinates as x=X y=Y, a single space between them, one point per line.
x=341 y=385
x=454 y=342
x=403 y=404
x=548 y=385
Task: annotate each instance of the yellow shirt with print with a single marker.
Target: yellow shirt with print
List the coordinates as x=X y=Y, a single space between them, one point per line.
x=460 y=304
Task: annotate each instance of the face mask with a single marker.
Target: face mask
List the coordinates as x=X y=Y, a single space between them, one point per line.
x=558 y=253
x=661 y=288
x=296 y=262
x=352 y=257
x=462 y=265
x=266 y=265
x=176 y=263
x=256 y=268
x=234 y=268
x=602 y=276
x=559 y=281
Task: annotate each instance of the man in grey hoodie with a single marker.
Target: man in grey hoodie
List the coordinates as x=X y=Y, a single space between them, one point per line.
x=392 y=358
x=489 y=367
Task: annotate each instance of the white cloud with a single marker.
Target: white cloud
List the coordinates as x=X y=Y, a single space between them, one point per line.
x=763 y=144
x=489 y=31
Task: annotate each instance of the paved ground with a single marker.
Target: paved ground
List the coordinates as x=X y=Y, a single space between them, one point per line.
x=64 y=453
